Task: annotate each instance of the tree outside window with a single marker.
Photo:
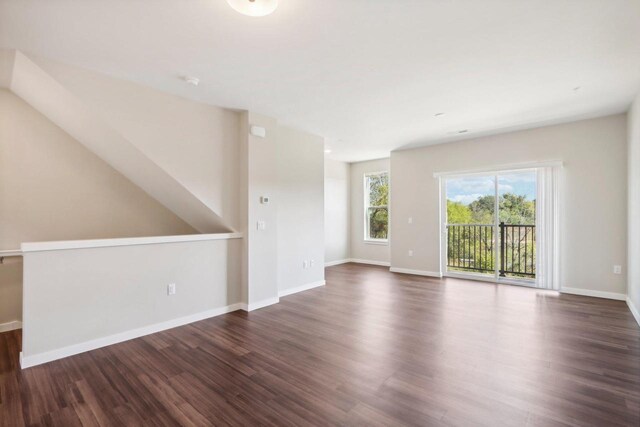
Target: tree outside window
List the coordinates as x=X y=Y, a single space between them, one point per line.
x=376 y=206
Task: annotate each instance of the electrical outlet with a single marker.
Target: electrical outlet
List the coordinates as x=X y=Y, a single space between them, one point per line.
x=312 y=263
x=171 y=289
x=617 y=269
x=410 y=253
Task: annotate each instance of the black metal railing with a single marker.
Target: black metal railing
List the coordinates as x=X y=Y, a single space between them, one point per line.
x=471 y=247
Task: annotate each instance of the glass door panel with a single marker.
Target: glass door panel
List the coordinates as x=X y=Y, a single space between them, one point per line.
x=491 y=225
x=471 y=224
x=517 y=223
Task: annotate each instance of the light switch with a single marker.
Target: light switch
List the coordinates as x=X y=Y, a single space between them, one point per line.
x=262 y=225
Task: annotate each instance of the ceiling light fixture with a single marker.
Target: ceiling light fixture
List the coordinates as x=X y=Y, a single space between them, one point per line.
x=254 y=7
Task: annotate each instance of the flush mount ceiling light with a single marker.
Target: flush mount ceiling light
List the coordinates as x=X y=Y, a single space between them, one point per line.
x=254 y=7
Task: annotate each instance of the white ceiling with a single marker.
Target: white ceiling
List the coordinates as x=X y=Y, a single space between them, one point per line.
x=369 y=75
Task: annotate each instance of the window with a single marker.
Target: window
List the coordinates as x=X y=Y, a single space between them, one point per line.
x=376 y=201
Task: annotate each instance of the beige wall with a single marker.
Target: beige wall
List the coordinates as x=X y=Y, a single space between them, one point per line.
x=634 y=207
x=107 y=294
x=261 y=246
x=6 y=67
x=300 y=200
x=361 y=250
x=196 y=143
x=593 y=198
x=10 y=292
x=336 y=210
x=52 y=188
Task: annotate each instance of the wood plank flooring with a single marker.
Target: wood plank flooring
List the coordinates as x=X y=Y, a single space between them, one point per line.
x=370 y=348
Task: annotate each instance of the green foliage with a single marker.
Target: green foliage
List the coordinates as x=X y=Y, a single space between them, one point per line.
x=516 y=209
x=472 y=247
x=378 y=223
x=379 y=190
x=378 y=212
x=482 y=210
x=458 y=213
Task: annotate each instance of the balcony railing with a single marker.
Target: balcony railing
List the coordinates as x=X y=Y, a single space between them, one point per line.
x=472 y=248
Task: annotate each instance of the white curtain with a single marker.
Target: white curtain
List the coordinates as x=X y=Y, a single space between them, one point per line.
x=547 y=229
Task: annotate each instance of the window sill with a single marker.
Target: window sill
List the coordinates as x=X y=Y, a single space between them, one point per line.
x=376 y=242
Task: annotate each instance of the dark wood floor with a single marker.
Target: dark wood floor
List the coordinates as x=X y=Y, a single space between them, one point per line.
x=370 y=348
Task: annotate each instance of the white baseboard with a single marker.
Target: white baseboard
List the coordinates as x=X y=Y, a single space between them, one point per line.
x=634 y=310
x=260 y=304
x=338 y=262
x=49 y=356
x=416 y=272
x=302 y=288
x=10 y=326
x=591 y=293
x=370 y=262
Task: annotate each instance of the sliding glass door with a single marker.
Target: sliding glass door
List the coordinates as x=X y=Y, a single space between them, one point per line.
x=489 y=226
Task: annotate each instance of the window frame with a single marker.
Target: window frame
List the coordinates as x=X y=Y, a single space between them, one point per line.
x=367 y=206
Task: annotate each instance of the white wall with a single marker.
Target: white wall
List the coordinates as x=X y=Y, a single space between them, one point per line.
x=300 y=199
x=633 y=287
x=103 y=295
x=336 y=211
x=361 y=250
x=594 y=195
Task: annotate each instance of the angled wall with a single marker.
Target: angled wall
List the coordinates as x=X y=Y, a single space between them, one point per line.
x=80 y=120
x=196 y=143
x=53 y=188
